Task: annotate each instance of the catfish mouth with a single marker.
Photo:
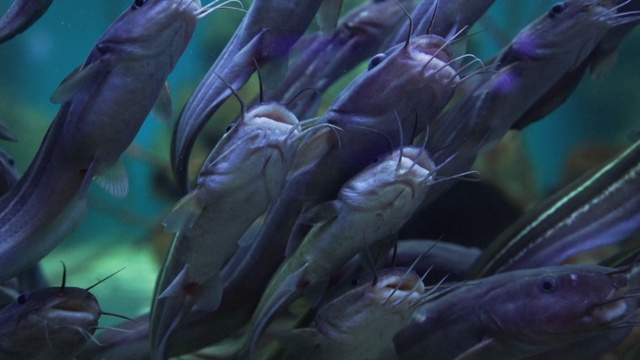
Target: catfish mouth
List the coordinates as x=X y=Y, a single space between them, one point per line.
x=397 y=288
x=73 y=311
x=274 y=112
x=617 y=310
x=418 y=156
x=434 y=47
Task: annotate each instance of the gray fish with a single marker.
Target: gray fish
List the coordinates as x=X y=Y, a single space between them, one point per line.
x=540 y=54
x=264 y=37
x=520 y=313
x=20 y=16
x=105 y=102
x=361 y=323
x=599 y=61
x=401 y=92
x=50 y=323
x=370 y=207
x=241 y=177
x=321 y=60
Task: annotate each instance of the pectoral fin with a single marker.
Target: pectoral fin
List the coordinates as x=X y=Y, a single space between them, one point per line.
x=176 y=286
x=185 y=213
x=114 y=180
x=80 y=78
x=310 y=151
x=163 y=109
x=321 y=213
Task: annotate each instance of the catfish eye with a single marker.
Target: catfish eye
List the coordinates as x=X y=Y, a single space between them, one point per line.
x=355 y=282
x=556 y=9
x=229 y=127
x=548 y=284
x=376 y=60
x=138 y=3
x=22 y=299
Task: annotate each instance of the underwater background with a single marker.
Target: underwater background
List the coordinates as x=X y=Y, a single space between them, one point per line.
x=591 y=126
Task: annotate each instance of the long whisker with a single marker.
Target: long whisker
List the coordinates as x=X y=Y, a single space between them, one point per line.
x=410 y=34
x=243 y=106
x=118 y=316
x=447 y=43
x=111 y=328
x=433 y=17
x=103 y=280
x=209 y=8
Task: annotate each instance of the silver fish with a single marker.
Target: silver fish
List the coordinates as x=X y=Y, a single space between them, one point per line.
x=371 y=206
x=371 y=112
x=262 y=37
x=321 y=60
x=99 y=118
x=241 y=177
x=361 y=323
x=20 y=16
x=50 y=323
x=540 y=54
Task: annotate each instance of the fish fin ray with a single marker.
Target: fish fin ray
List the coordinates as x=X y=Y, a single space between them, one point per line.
x=80 y=78
x=185 y=213
x=176 y=286
x=298 y=233
x=163 y=108
x=114 y=180
x=603 y=64
x=312 y=149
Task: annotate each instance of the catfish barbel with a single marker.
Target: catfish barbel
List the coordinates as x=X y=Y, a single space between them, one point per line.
x=105 y=101
x=50 y=323
x=361 y=322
